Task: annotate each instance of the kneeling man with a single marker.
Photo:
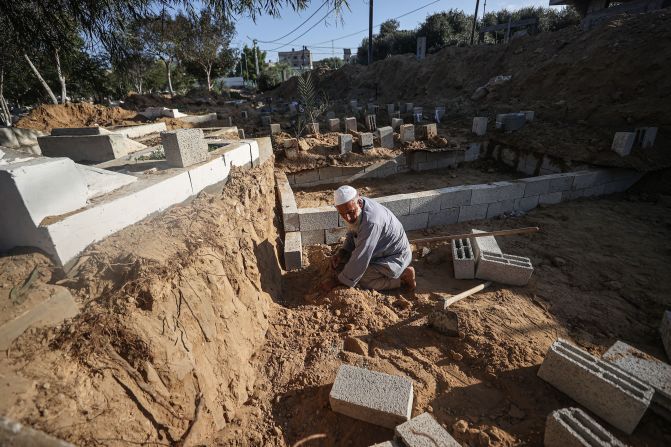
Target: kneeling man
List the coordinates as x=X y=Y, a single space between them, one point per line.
x=376 y=253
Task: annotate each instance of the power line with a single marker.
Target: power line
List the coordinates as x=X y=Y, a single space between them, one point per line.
x=293 y=30
x=308 y=30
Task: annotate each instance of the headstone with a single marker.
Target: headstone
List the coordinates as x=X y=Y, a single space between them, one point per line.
x=408 y=107
x=275 y=128
x=334 y=125
x=390 y=109
x=371 y=122
x=184 y=147
x=366 y=141
x=430 y=131
x=439 y=113
x=407 y=132
x=386 y=136
x=350 y=124
x=480 y=125
x=345 y=143
x=421 y=48
x=396 y=123
x=313 y=128
x=623 y=142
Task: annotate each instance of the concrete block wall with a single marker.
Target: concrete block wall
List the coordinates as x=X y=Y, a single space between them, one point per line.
x=609 y=392
x=445 y=206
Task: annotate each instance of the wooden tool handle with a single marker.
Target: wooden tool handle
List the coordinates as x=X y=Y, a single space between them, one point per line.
x=462 y=295
x=450 y=237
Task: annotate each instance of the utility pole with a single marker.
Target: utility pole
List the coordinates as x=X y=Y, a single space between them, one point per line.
x=475 y=20
x=256 y=60
x=370 y=32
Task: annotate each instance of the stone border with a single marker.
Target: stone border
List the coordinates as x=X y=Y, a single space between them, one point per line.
x=445 y=206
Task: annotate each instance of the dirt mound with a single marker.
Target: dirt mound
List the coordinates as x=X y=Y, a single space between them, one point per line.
x=51 y=116
x=173 y=310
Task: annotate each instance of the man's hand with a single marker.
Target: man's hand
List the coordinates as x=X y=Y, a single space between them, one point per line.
x=335 y=260
x=329 y=284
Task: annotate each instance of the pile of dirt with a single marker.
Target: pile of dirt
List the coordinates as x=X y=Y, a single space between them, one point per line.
x=50 y=116
x=611 y=78
x=172 y=311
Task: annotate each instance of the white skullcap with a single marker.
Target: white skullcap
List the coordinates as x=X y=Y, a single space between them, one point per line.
x=344 y=194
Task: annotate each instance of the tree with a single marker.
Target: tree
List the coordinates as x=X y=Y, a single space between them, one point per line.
x=330 y=62
x=248 y=65
x=160 y=34
x=312 y=102
x=389 y=27
x=205 y=42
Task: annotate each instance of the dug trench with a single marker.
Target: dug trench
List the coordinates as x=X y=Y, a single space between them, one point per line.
x=190 y=333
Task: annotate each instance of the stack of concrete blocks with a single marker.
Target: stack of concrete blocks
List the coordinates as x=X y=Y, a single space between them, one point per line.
x=184 y=147
x=407 y=133
x=429 y=131
x=293 y=247
x=463 y=259
x=350 y=124
x=313 y=128
x=439 y=113
x=480 y=125
x=377 y=398
x=366 y=141
x=423 y=430
x=345 y=143
x=396 y=123
x=665 y=332
x=645 y=136
x=34 y=189
x=572 y=427
x=334 y=125
x=447 y=206
x=609 y=392
x=647 y=369
x=93 y=144
x=371 y=123
x=510 y=122
x=386 y=136
x=275 y=128
x=623 y=143
x=265 y=120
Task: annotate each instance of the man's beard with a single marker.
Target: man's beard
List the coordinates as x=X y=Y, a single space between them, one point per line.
x=354 y=226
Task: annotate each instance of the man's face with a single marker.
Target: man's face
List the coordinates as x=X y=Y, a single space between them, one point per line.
x=350 y=211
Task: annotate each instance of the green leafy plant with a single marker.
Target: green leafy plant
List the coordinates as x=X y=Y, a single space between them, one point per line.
x=313 y=103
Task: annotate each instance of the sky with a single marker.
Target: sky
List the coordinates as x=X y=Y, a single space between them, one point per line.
x=353 y=20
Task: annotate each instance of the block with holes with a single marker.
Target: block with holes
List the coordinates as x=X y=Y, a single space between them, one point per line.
x=572 y=427
x=504 y=268
x=463 y=259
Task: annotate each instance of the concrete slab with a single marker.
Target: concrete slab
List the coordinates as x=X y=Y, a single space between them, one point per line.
x=646 y=368
x=504 y=268
x=92 y=148
x=197 y=119
x=34 y=189
x=572 y=427
x=140 y=130
x=293 y=250
x=424 y=431
x=609 y=392
x=15 y=434
x=370 y=396
x=184 y=147
x=463 y=259
x=101 y=181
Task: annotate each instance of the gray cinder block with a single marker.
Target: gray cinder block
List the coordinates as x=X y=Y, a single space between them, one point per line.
x=312 y=237
x=486 y=243
x=334 y=125
x=480 y=125
x=611 y=393
x=366 y=141
x=647 y=369
x=407 y=132
x=350 y=124
x=572 y=427
x=287 y=202
x=370 y=396
x=293 y=249
x=184 y=147
x=386 y=136
x=473 y=212
x=665 y=332
x=414 y=221
x=623 y=143
x=504 y=269
x=317 y=218
x=371 y=123
x=429 y=131
x=275 y=128
x=424 y=431
x=396 y=123
x=345 y=143
x=463 y=259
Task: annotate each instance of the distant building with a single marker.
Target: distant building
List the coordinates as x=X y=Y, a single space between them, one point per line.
x=347 y=55
x=298 y=60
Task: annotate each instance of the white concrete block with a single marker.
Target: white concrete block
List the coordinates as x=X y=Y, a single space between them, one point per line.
x=209 y=173
x=623 y=142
